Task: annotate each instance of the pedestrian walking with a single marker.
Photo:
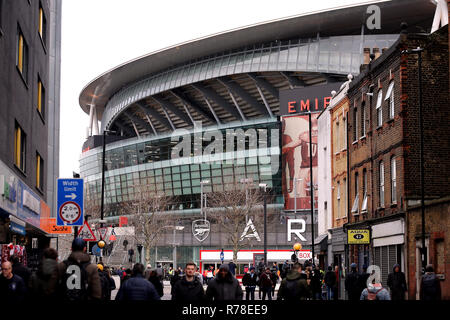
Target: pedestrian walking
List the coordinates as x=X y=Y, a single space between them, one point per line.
x=90 y=288
x=130 y=254
x=44 y=282
x=362 y=279
x=338 y=283
x=156 y=281
x=232 y=267
x=249 y=282
x=174 y=280
x=224 y=286
x=199 y=275
x=316 y=283
x=20 y=270
x=285 y=269
x=430 y=287
x=375 y=291
x=209 y=274
x=104 y=282
x=189 y=288
x=294 y=287
x=351 y=284
x=330 y=282
x=396 y=282
x=159 y=272
x=112 y=283
x=12 y=286
x=137 y=288
x=267 y=284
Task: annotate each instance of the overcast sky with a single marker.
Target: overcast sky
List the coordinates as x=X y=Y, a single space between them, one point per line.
x=98 y=35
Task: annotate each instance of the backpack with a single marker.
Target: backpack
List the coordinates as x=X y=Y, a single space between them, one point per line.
x=72 y=293
x=373 y=296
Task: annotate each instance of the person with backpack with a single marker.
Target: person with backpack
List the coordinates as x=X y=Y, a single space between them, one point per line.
x=351 y=284
x=294 y=287
x=330 y=282
x=396 y=282
x=106 y=290
x=224 y=286
x=375 y=291
x=78 y=263
x=249 y=282
x=189 y=288
x=44 y=282
x=137 y=288
x=430 y=287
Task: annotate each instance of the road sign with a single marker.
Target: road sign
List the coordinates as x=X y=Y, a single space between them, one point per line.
x=86 y=233
x=102 y=232
x=70 y=202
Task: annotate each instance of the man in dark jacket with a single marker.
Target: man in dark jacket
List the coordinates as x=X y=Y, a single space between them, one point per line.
x=44 y=283
x=316 y=284
x=430 y=287
x=224 y=286
x=12 y=287
x=266 y=284
x=249 y=282
x=285 y=269
x=20 y=270
x=80 y=258
x=397 y=283
x=351 y=284
x=294 y=287
x=137 y=288
x=104 y=282
x=188 y=288
x=174 y=280
x=330 y=282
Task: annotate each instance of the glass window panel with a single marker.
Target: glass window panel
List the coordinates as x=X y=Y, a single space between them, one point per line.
x=205 y=166
x=159 y=187
x=216 y=172
x=167 y=170
x=177 y=184
x=195 y=174
x=168 y=185
x=228 y=179
x=196 y=190
x=187 y=190
x=177 y=192
x=175 y=169
x=217 y=180
x=185 y=168
x=158 y=172
x=195 y=182
x=186 y=183
x=195 y=167
x=206 y=174
x=158 y=179
x=227 y=171
x=175 y=177
x=167 y=177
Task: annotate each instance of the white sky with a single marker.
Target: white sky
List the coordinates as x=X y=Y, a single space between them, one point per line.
x=98 y=35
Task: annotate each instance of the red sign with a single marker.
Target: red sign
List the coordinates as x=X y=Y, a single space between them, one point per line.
x=123 y=221
x=86 y=233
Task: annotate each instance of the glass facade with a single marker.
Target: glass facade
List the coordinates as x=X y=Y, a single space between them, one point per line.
x=341 y=54
x=149 y=163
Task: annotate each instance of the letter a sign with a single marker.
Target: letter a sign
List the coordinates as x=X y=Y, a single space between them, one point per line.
x=86 y=233
x=252 y=235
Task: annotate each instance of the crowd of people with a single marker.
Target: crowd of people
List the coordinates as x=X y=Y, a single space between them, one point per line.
x=77 y=279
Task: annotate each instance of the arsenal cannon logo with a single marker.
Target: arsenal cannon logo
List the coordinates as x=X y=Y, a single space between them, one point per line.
x=200 y=229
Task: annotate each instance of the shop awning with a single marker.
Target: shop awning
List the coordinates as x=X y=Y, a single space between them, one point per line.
x=321 y=242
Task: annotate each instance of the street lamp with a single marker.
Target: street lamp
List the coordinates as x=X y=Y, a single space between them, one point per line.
x=264 y=186
x=174 y=252
x=201 y=196
x=419 y=51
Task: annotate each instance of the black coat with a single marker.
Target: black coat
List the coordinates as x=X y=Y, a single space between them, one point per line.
x=330 y=279
x=137 y=289
x=23 y=272
x=188 y=291
x=397 y=284
x=158 y=285
x=220 y=289
x=352 y=286
x=12 y=290
x=249 y=281
x=316 y=281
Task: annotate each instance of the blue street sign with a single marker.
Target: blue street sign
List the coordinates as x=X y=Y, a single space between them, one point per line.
x=70 y=202
x=221 y=256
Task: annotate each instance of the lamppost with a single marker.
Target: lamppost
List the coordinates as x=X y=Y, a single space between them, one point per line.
x=419 y=51
x=264 y=186
x=201 y=196
x=76 y=176
x=174 y=252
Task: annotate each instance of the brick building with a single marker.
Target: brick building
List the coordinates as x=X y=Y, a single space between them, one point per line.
x=384 y=155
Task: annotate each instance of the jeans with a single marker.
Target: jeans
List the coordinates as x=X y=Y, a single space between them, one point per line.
x=267 y=291
x=250 y=293
x=330 y=293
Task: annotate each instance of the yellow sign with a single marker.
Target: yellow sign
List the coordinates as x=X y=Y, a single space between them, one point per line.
x=358 y=236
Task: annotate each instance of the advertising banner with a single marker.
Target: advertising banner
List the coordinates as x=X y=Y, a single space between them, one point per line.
x=358 y=236
x=296 y=161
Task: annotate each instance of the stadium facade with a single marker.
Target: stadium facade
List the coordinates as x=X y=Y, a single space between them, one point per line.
x=257 y=80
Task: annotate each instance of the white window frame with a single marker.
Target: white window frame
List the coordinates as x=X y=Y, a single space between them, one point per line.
x=390 y=98
x=393 y=180
x=381 y=183
x=379 y=108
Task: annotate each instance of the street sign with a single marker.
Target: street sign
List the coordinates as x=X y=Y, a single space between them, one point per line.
x=70 y=202
x=86 y=233
x=358 y=236
x=221 y=256
x=102 y=232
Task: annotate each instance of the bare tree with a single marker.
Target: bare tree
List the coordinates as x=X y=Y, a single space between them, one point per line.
x=150 y=216
x=231 y=209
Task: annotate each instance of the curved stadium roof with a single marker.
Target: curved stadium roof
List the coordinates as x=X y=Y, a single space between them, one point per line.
x=236 y=75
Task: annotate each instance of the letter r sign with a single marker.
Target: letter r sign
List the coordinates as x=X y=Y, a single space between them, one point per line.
x=297 y=232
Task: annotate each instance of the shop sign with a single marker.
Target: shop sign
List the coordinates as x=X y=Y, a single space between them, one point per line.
x=7 y=189
x=17 y=228
x=358 y=236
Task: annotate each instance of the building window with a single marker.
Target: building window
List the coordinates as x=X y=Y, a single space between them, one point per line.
x=379 y=108
x=363 y=119
x=393 y=180
x=390 y=99
x=40 y=97
x=39 y=172
x=20 y=148
x=338 y=197
x=338 y=133
x=381 y=183
x=22 y=54
x=355 y=124
x=42 y=28
x=355 y=207
x=345 y=199
x=345 y=131
x=364 y=204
